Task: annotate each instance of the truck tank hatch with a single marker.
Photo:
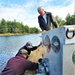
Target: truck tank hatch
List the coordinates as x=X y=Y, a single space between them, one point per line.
x=59 y=48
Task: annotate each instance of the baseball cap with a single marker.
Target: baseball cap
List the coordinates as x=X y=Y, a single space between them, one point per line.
x=29 y=44
x=24 y=51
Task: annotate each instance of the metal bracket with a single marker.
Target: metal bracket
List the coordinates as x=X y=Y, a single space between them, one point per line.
x=70 y=37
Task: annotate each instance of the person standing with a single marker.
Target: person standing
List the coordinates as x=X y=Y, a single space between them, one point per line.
x=45 y=19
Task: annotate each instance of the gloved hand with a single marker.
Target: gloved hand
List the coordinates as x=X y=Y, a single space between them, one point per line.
x=40 y=60
x=40 y=44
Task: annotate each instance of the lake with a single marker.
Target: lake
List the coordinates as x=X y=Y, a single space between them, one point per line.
x=9 y=46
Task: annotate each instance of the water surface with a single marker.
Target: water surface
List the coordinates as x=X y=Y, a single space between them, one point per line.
x=9 y=46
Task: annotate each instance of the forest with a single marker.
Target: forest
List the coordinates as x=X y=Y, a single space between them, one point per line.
x=17 y=27
x=69 y=20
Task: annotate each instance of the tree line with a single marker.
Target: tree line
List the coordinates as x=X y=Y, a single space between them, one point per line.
x=16 y=27
x=69 y=20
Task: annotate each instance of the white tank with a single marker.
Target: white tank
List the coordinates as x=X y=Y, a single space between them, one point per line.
x=59 y=48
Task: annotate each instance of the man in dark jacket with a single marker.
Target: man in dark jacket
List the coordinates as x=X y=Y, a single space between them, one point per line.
x=28 y=46
x=19 y=64
x=45 y=19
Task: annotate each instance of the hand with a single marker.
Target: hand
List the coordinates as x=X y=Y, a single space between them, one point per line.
x=40 y=44
x=43 y=31
x=40 y=60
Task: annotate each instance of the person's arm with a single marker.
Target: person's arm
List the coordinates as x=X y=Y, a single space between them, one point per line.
x=54 y=22
x=31 y=65
x=35 y=47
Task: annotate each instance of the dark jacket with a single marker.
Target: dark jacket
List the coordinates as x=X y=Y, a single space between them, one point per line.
x=28 y=49
x=18 y=65
x=46 y=26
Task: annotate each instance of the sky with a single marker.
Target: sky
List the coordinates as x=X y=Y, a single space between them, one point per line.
x=25 y=11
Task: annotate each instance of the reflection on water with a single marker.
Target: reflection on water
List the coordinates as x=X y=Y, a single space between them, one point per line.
x=10 y=45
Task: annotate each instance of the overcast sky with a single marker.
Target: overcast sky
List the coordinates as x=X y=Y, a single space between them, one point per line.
x=26 y=10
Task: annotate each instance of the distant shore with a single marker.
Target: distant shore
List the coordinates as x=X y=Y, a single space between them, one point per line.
x=15 y=34
x=11 y=34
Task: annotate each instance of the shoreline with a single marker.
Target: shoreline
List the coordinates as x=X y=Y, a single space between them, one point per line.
x=16 y=34
x=12 y=34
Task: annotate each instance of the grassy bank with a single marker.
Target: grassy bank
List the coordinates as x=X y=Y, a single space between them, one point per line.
x=16 y=34
x=11 y=34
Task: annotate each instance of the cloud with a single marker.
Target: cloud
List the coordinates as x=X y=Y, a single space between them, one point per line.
x=62 y=11
x=44 y=2
x=27 y=12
